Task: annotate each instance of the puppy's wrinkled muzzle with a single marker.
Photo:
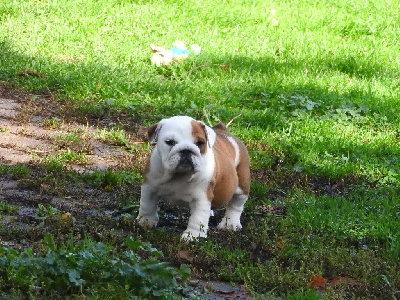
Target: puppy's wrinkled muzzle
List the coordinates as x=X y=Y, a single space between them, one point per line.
x=186 y=161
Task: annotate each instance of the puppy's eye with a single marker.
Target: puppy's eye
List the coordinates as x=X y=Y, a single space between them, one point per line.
x=170 y=142
x=199 y=143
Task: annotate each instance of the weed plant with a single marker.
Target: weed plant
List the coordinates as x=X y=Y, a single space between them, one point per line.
x=91 y=267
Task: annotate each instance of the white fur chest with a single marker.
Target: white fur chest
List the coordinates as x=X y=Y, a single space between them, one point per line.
x=176 y=187
x=182 y=188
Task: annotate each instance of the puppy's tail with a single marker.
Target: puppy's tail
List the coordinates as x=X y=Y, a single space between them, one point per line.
x=220 y=126
x=223 y=127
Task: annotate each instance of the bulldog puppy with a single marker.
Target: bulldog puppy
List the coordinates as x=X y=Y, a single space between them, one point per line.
x=198 y=165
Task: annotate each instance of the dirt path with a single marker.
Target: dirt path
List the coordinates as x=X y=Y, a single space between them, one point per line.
x=27 y=136
x=34 y=129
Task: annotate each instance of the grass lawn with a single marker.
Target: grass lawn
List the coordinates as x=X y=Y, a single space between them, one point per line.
x=317 y=84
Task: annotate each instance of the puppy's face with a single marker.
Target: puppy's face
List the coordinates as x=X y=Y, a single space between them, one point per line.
x=181 y=143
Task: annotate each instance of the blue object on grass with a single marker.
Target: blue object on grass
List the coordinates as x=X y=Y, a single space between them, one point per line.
x=179 y=51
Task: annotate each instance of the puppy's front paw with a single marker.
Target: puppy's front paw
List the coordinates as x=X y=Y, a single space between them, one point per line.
x=229 y=224
x=191 y=235
x=147 y=221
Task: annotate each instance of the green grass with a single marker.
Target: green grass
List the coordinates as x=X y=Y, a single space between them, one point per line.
x=318 y=92
x=113 y=136
x=326 y=70
x=7 y=208
x=66 y=156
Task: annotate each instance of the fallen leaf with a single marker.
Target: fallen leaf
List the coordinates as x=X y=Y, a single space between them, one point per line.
x=225 y=67
x=30 y=72
x=226 y=291
x=185 y=255
x=233 y=294
x=317 y=281
x=44 y=186
x=67 y=218
x=342 y=281
x=279 y=243
x=108 y=188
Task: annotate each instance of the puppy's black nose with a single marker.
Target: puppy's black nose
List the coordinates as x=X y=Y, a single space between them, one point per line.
x=186 y=152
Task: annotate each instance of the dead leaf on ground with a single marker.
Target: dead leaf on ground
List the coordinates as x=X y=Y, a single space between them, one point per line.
x=318 y=281
x=226 y=67
x=30 y=72
x=342 y=281
x=185 y=255
x=67 y=218
x=242 y=294
x=279 y=243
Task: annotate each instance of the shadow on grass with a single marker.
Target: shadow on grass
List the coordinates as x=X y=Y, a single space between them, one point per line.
x=262 y=90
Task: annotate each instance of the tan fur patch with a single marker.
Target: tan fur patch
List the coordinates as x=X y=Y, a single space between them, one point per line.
x=199 y=133
x=227 y=177
x=146 y=170
x=243 y=169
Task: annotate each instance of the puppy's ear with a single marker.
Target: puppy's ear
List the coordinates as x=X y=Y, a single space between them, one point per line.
x=152 y=133
x=210 y=134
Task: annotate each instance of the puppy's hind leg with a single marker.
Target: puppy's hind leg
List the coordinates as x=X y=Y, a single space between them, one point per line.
x=234 y=209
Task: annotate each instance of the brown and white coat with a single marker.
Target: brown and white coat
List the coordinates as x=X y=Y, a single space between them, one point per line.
x=198 y=165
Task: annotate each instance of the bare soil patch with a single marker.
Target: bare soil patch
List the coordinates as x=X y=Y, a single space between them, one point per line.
x=32 y=127
x=33 y=130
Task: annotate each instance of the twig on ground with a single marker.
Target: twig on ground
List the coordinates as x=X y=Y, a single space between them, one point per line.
x=233 y=119
x=225 y=67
